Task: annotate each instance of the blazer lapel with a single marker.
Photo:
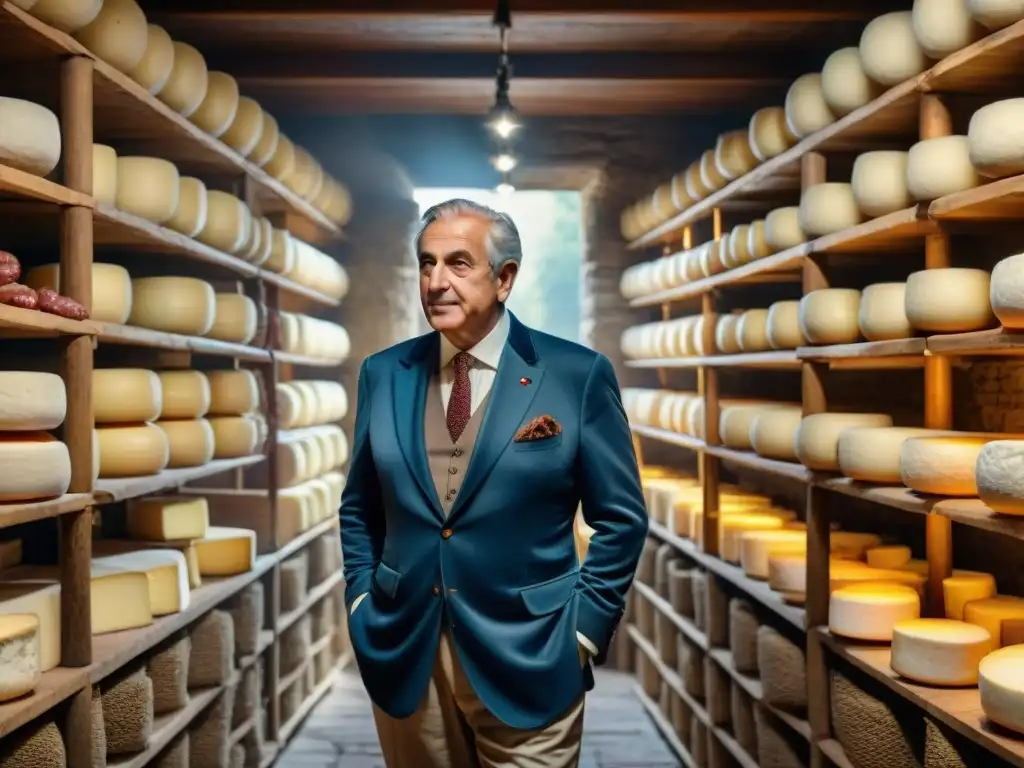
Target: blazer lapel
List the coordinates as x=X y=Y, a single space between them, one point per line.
x=410 y=396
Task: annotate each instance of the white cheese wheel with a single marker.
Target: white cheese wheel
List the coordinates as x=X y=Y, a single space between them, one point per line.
x=879 y=182
x=235 y=436
x=182 y=305
x=227 y=222
x=282 y=161
x=757 y=240
x=339 y=207
x=33 y=466
x=758 y=547
x=219 y=106
x=111 y=289
x=733 y=527
x=234 y=318
x=266 y=146
x=768 y=134
x=31 y=401
x=998 y=615
x=154 y=68
x=999 y=475
x=245 y=128
x=773 y=433
x=996 y=14
x=943 y=466
x=752 y=331
x=844 y=84
x=806 y=109
x=830 y=316
x=892 y=556
x=260 y=251
x=20 y=648
x=939 y=651
x=190 y=442
x=132 y=451
x=872 y=454
x=953 y=300
x=104 y=174
x=118 y=34
x=234 y=393
x=190 y=216
x=817 y=438
x=870 y=611
x=147 y=187
x=782 y=228
x=185 y=395
x=827 y=208
x=125 y=395
x=964 y=587
x=1001 y=687
x=67 y=15
x=282 y=252
x=736 y=252
x=726 y=340
x=942 y=27
x=186 y=87
x=783 y=331
x=939 y=167
x=695 y=187
x=889 y=52
x=1006 y=291
x=29 y=136
x=710 y=176
x=882 y=313
x=995 y=141
x=733 y=155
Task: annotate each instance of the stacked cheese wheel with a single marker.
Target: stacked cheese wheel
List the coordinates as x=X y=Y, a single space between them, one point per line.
x=306 y=265
x=313 y=337
x=308 y=478
x=33 y=464
x=309 y=403
x=31 y=140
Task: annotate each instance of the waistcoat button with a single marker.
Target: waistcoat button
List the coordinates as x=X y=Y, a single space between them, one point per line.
x=457 y=452
x=453 y=470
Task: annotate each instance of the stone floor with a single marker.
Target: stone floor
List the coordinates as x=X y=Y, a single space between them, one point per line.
x=617 y=731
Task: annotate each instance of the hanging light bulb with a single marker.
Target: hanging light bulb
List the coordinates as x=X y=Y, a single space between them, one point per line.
x=504 y=162
x=504 y=189
x=503 y=119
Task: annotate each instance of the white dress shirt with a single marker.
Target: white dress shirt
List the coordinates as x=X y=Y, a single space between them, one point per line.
x=483 y=369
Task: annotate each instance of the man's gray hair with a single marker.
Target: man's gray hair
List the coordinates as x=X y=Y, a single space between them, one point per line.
x=503 y=243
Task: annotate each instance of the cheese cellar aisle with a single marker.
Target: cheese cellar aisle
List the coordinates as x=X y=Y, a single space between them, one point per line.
x=834 y=390
x=171 y=462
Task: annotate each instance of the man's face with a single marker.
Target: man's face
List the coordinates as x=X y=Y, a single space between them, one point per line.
x=459 y=292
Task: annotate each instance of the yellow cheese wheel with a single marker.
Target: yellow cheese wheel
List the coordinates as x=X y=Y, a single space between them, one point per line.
x=190 y=216
x=830 y=316
x=148 y=188
x=125 y=395
x=844 y=84
x=806 y=109
x=940 y=166
x=154 y=68
x=186 y=87
x=828 y=207
x=67 y=15
x=118 y=34
x=882 y=314
x=889 y=50
x=234 y=318
x=964 y=587
x=998 y=615
x=782 y=228
x=173 y=304
x=952 y=300
x=773 y=433
x=733 y=154
x=246 y=128
x=132 y=451
x=817 y=439
x=236 y=436
x=235 y=393
x=33 y=466
x=783 y=325
x=282 y=161
x=870 y=610
x=227 y=222
x=186 y=395
x=872 y=454
x=269 y=135
x=879 y=183
x=104 y=174
x=219 y=106
x=892 y=556
x=768 y=134
x=191 y=442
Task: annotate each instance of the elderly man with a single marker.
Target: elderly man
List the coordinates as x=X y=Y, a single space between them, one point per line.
x=472 y=621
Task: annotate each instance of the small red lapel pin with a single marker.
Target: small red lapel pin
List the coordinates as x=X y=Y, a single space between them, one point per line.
x=524 y=381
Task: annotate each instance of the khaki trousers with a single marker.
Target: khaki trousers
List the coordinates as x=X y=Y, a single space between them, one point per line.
x=452 y=729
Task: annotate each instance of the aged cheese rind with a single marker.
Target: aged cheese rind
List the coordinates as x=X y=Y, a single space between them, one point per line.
x=939 y=651
x=31 y=401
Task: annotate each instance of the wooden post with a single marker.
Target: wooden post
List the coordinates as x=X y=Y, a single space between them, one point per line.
x=707 y=388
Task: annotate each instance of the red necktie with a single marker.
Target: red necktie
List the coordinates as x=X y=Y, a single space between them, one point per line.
x=460 y=401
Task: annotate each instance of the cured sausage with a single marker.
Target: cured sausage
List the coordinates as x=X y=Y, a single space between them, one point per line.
x=18 y=295
x=10 y=268
x=52 y=302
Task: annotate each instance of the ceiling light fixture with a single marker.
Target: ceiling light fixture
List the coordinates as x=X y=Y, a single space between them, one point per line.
x=502 y=119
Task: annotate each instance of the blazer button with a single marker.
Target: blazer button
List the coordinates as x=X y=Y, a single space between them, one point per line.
x=437 y=590
x=446 y=533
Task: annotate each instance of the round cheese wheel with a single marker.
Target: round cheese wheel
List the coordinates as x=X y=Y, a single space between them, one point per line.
x=757 y=548
x=30 y=140
x=710 y=176
x=104 y=174
x=806 y=109
x=190 y=216
x=289 y=406
x=154 y=68
x=732 y=528
x=266 y=146
x=216 y=112
x=995 y=143
x=752 y=331
x=307 y=178
x=282 y=252
x=733 y=155
x=768 y=134
x=185 y=395
x=31 y=401
x=245 y=130
x=844 y=84
x=889 y=51
x=227 y=222
x=996 y=14
x=147 y=187
x=111 y=289
x=872 y=454
x=234 y=393
x=999 y=475
x=695 y=188
x=680 y=200
x=893 y=556
x=118 y=35
x=260 y=241
x=235 y=436
x=830 y=316
x=282 y=162
x=190 y=442
x=1006 y=291
x=882 y=312
x=953 y=300
x=817 y=438
x=943 y=466
x=33 y=466
x=942 y=27
x=132 y=451
x=964 y=587
x=1001 y=688
x=757 y=240
x=939 y=651
x=734 y=425
x=186 y=86
x=992 y=612
x=736 y=251
x=234 y=318
x=182 y=305
x=726 y=340
x=871 y=610
x=827 y=208
x=67 y=15
x=782 y=228
x=939 y=167
x=879 y=183
x=289 y=341
x=773 y=433
x=125 y=395
x=783 y=331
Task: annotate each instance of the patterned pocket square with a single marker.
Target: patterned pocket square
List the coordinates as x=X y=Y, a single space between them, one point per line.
x=540 y=428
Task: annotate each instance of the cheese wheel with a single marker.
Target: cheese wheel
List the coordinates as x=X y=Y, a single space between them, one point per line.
x=726 y=340
x=889 y=51
x=184 y=395
x=125 y=395
x=1001 y=689
x=782 y=228
x=33 y=466
x=882 y=314
x=30 y=140
x=266 y=146
x=894 y=556
x=148 y=188
x=190 y=442
x=118 y=34
x=827 y=208
x=942 y=27
x=783 y=325
x=733 y=155
x=939 y=651
x=952 y=300
x=182 y=305
x=282 y=162
x=757 y=240
x=132 y=451
x=736 y=251
x=773 y=433
x=234 y=393
x=752 y=330
x=939 y=167
x=844 y=84
x=190 y=216
x=943 y=466
x=757 y=548
x=871 y=610
x=995 y=143
x=734 y=422
x=219 y=106
x=768 y=135
x=227 y=222
x=680 y=200
x=235 y=436
x=695 y=187
x=964 y=587
x=234 y=318
x=872 y=454
x=246 y=129
x=111 y=289
x=67 y=15
x=1006 y=291
x=31 y=401
x=999 y=475
x=104 y=174
x=817 y=438
x=996 y=14
x=879 y=183
x=154 y=68
x=1002 y=616
x=186 y=87
x=830 y=316
x=732 y=528
x=806 y=109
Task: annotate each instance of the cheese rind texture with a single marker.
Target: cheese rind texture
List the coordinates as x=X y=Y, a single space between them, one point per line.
x=20 y=655
x=182 y=305
x=939 y=651
x=1001 y=687
x=226 y=551
x=33 y=466
x=964 y=587
x=125 y=395
x=132 y=451
x=940 y=166
x=31 y=401
x=830 y=316
x=1006 y=291
x=952 y=300
x=872 y=454
x=889 y=51
x=168 y=518
x=166 y=572
x=879 y=182
x=39 y=598
x=817 y=438
x=943 y=466
x=190 y=442
x=30 y=139
x=184 y=395
x=828 y=207
x=870 y=611
x=999 y=475
x=995 y=14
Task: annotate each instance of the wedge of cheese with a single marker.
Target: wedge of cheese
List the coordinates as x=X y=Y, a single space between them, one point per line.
x=226 y=551
x=39 y=598
x=166 y=571
x=168 y=518
x=107 y=547
x=19 y=655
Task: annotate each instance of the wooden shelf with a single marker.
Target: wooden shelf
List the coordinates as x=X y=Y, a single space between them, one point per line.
x=1000 y=200
x=684 y=625
x=751 y=460
x=872 y=351
x=313 y=596
x=26 y=186
x=31 y=322
x=290 y=358
x=53 y=687
x=779 y=358
x=16 y=513
x=108 y=491
x=990 y=64
x=668 y=436
x=131 y=335
x=998 y=341
x=892 y=231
